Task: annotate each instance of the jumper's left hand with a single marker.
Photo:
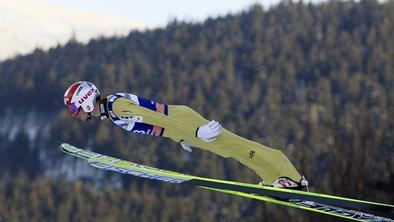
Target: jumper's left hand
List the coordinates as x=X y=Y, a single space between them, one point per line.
x=210 y=131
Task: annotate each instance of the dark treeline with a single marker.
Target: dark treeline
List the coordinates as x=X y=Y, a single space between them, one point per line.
x=316 y=81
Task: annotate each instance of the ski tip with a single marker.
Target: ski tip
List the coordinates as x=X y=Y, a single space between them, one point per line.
x=64 y=146
x=68 y=148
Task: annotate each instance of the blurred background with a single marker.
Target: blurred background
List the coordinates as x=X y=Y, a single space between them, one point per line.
x=314 y=79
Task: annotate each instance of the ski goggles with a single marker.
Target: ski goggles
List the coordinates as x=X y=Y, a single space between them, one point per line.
x=74 y=110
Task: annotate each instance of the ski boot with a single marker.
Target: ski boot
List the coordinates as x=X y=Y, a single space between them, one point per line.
x=288 y=183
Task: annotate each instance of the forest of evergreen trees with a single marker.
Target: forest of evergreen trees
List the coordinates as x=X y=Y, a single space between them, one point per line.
x=313 y=80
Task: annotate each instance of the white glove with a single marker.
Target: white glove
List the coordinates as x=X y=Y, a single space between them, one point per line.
x=186 y=146
x=210 y=131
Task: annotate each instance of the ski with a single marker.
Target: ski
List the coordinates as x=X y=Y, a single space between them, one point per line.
x=313 y=206
x=275 y=195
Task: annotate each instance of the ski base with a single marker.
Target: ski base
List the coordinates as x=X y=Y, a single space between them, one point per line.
x=321 y=203
x=313 y=206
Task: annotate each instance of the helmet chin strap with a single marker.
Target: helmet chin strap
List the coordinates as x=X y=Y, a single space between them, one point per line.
x=89 y=116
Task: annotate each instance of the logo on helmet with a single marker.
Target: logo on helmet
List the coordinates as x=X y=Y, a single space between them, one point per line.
x=86 y=96
x=79 y=91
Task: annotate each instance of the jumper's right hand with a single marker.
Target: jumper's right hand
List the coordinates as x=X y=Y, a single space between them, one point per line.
x=209 y=132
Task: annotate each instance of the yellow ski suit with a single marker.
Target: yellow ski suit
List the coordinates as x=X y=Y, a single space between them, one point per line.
x=181 y=122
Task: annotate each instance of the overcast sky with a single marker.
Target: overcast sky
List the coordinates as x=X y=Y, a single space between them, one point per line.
x=159 y=12
x=29 y=24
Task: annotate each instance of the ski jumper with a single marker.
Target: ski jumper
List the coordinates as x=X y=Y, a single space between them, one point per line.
x=180 y=123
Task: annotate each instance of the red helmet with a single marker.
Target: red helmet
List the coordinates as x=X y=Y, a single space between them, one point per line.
x=81 y=95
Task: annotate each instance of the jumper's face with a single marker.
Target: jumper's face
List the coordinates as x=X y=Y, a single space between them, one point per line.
x=77 y=112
